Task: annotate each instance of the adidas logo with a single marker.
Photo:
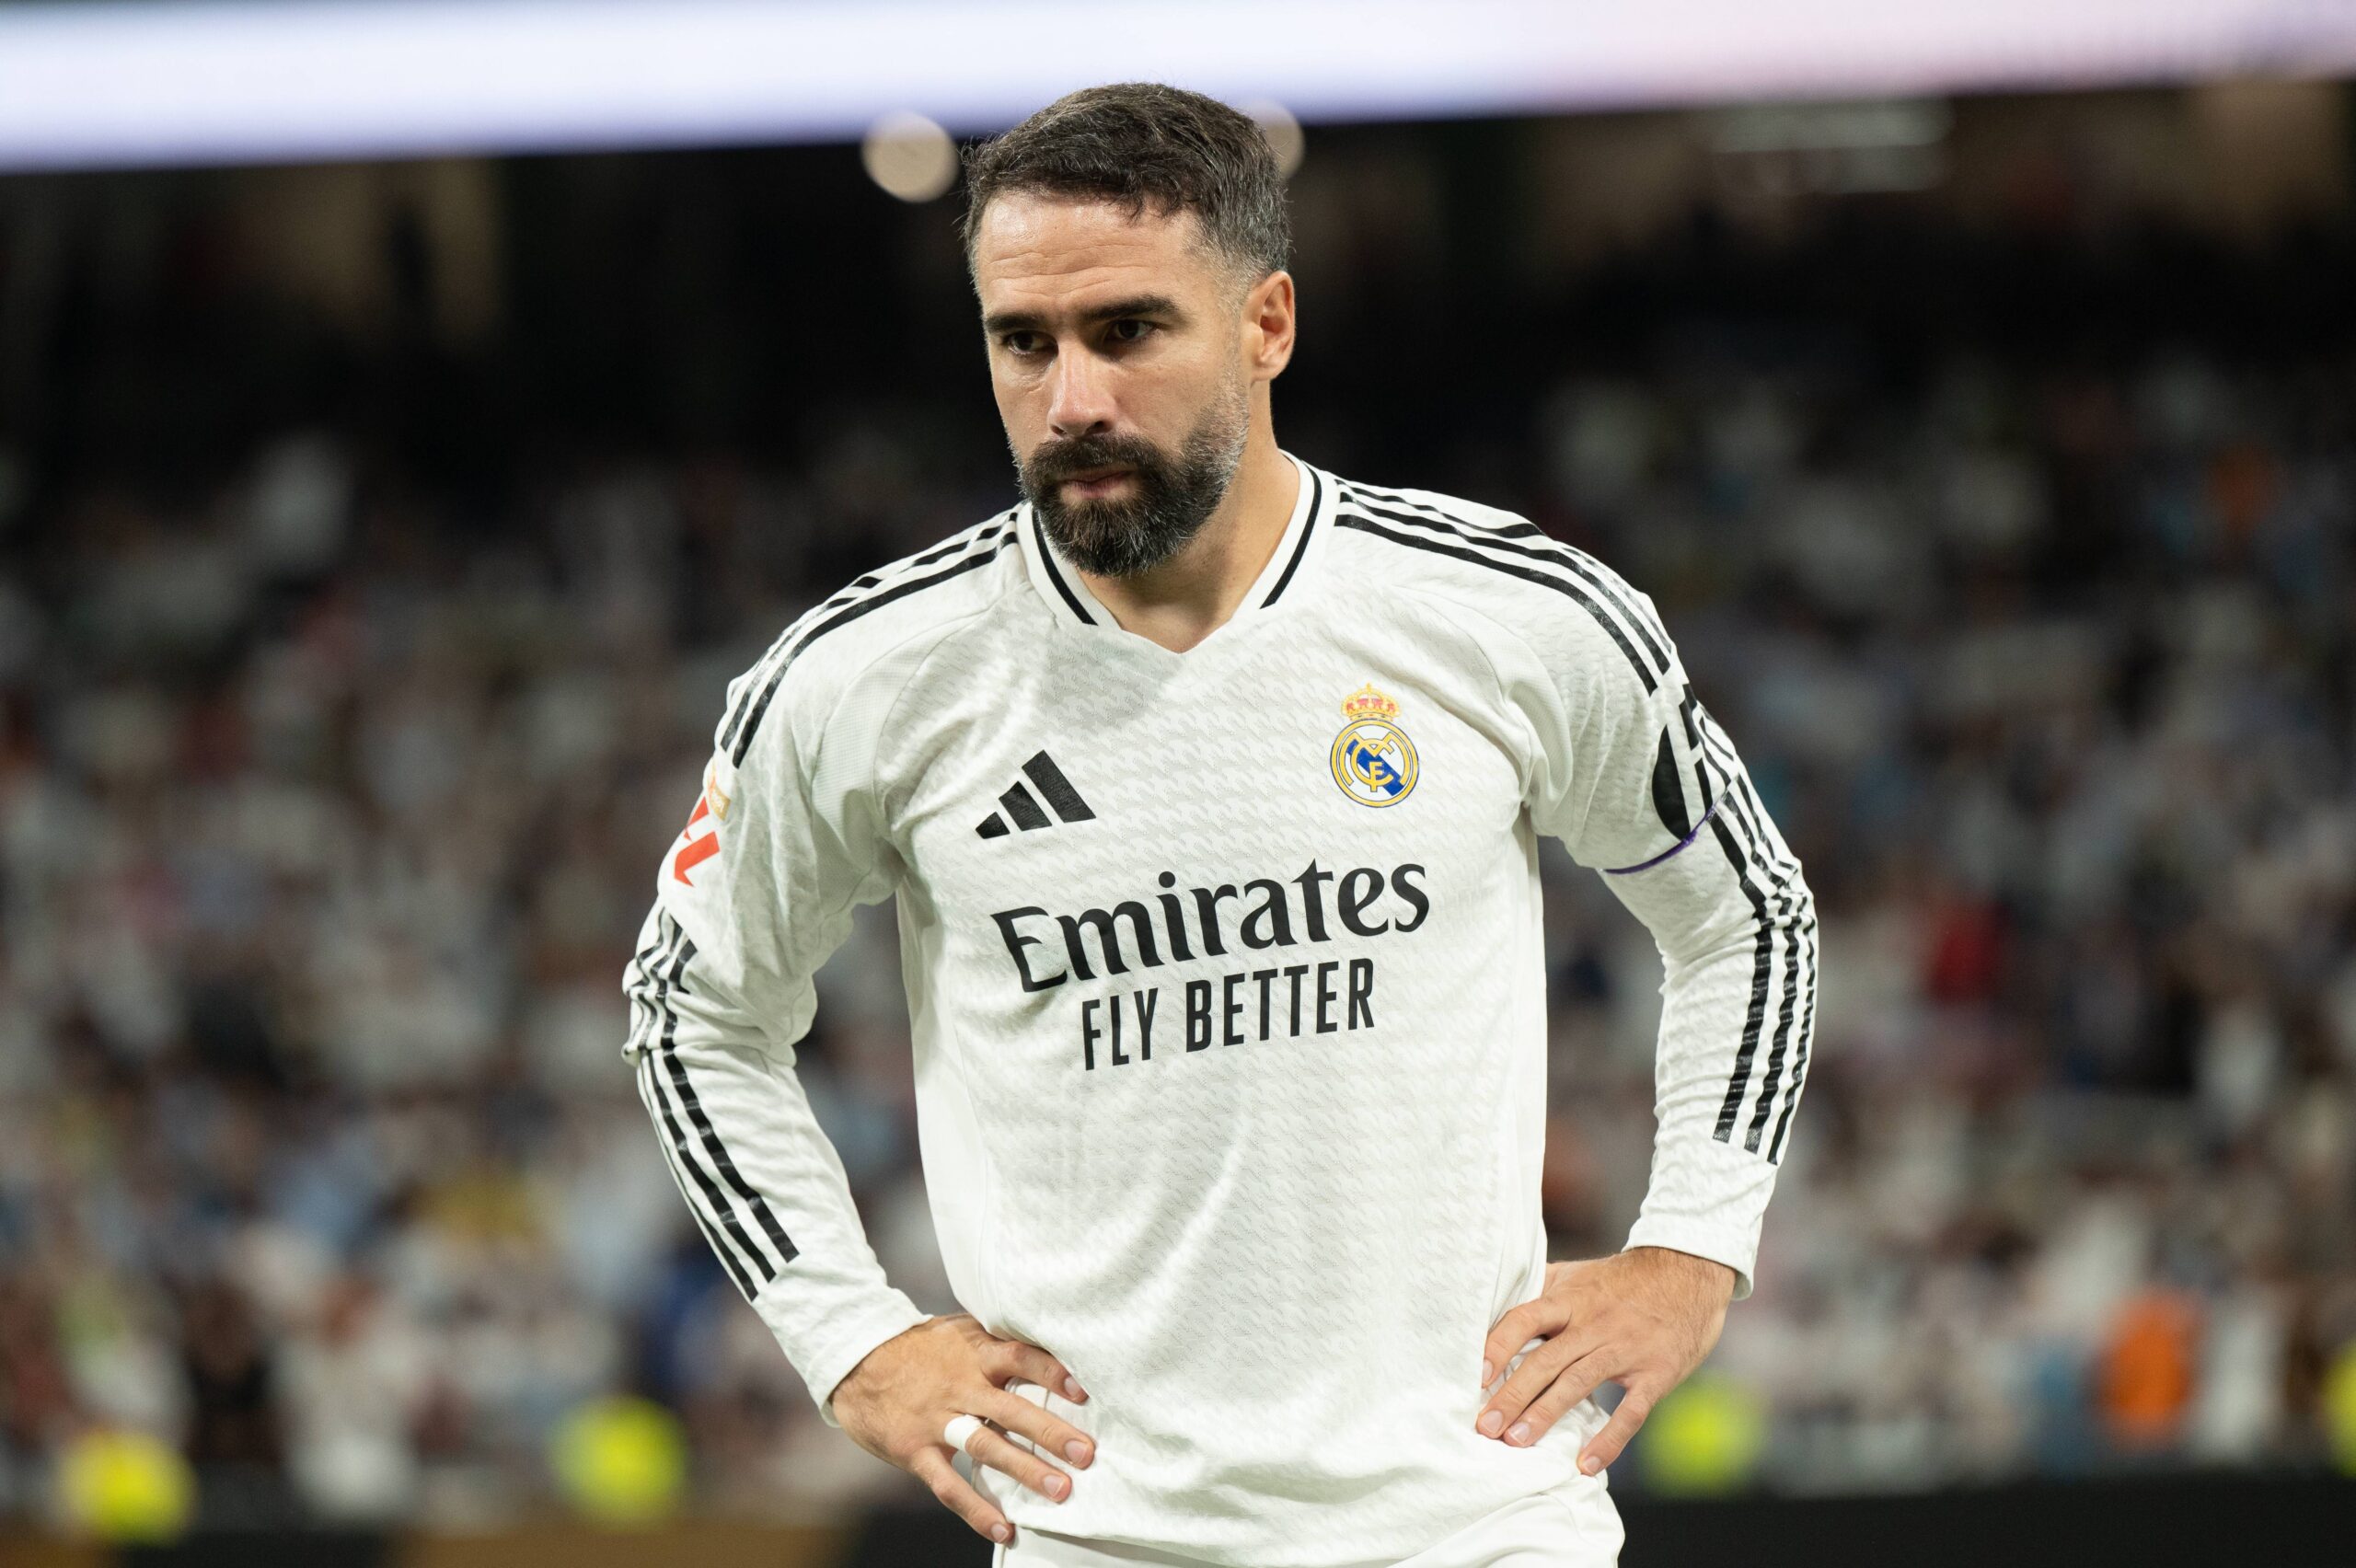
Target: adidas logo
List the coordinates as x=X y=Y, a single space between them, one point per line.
x=1023 y=807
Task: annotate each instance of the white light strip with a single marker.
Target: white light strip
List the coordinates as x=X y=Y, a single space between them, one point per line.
x=91 y=84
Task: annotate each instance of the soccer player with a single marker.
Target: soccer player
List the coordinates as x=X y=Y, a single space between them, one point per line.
x=1209 y=784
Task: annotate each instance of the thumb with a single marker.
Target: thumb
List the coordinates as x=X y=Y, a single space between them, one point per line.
x=1607 y=1444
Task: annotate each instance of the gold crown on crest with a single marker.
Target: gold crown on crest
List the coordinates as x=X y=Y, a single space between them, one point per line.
x=1368 y=703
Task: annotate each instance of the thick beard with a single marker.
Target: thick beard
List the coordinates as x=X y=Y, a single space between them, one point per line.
x=1173 y=498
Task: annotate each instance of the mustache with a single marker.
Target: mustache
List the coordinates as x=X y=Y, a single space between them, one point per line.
x=1060 y=461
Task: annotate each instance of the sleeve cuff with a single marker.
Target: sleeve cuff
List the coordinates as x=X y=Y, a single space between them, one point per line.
x=846 y=1343
x=1713 y=1243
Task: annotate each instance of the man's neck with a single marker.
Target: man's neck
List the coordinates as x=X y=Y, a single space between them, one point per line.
x=1195 y=591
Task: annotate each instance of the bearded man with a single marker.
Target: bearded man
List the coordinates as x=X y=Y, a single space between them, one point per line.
x=1209 y=785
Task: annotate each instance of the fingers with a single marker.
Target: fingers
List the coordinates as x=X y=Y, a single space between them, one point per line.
x=989 y=1446
x=931 y=1465
x=1013 y=1359
x=1051 y=1434
x=1605 y=1445
x=949 y=1366
x=1577 y=1380
x=1539 y=1369
x=1533 y=1320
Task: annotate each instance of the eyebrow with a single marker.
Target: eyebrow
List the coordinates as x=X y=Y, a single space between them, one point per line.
x=1135 y=305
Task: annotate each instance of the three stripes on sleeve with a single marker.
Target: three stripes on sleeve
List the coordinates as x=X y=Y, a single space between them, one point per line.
x=723 y=1203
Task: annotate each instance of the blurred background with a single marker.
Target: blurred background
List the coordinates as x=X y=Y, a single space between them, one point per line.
x=403 y=441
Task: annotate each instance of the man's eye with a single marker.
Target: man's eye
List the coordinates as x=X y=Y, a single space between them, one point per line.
x=1126 y=337
x=1019 y=342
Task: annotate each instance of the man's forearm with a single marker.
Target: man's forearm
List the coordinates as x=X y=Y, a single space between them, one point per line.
x=1736 y=928
x=766 y=1186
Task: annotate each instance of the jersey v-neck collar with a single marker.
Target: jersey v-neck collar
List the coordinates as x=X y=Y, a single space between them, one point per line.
x=1069 y=598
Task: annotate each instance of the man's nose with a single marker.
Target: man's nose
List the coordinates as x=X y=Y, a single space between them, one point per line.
x=1081 y=402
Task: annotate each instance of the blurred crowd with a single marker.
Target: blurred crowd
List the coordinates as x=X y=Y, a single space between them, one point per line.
x=330 y=799
x=2053 y=684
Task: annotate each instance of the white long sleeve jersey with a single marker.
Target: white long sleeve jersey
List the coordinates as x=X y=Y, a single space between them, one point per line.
x=1228 y=995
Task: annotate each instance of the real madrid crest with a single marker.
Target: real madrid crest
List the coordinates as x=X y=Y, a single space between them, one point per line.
x=1374 y=761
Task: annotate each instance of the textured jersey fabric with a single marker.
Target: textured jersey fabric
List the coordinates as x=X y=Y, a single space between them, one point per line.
x=1570 y=1525
x=1228 y=995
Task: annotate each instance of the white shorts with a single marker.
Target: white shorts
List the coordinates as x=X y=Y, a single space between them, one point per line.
x=1573 y=1526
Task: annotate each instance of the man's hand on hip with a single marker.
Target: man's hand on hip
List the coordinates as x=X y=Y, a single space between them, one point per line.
x=895 y=1402
x=1643 y=1319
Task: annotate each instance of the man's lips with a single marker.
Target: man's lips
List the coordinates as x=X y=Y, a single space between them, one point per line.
x=1096 y=482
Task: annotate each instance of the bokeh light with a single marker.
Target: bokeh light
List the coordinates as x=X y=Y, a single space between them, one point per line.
x=1285 y=136
x=620 y=1460
x=1705 y=1437
x=126 y=1487
x=911 y=156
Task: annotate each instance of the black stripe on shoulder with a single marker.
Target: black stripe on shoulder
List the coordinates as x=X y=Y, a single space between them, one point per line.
x=990 y=546
x=1308 y=527
x=1553 y=549
x=1368 y=525
x=847 y=594
x=1711 y=746
x=1047 y=559
x=1778 y=866
x=1510 y=531
x=1668 y=792
x=1553 y=553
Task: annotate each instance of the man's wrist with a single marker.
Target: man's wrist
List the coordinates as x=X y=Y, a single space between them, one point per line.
x=823 y=1367
x=1698 y=1238
x=1701 y=1269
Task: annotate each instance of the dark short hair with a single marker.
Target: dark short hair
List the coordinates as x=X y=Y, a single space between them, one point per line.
x=1137 y=142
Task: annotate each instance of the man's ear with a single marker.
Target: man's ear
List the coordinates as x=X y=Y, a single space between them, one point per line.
x=1268 y=321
